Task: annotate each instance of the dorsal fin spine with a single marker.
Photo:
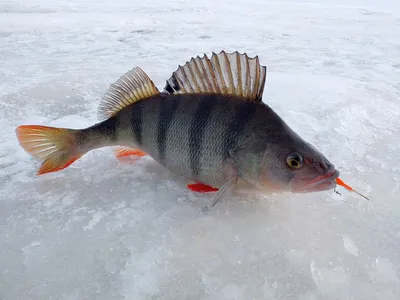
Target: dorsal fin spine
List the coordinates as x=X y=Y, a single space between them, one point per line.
x=222 y=85
x=231 y=82
x=125 y=89
x=192 y=73
x=210 y=68
x=186 y=71
x=121 y=95
x=248 y=78
x=142 y=77
x=231 y=74
x=258 y=71
x=181 y=83
x=200 y=70
x=239 y=67
x=204 y=71
x=131 y=84
x=263 y=82
x=218 y=87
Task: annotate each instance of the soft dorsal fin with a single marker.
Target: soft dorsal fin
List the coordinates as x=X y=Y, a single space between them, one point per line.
x=131 y=87
x=225 y=73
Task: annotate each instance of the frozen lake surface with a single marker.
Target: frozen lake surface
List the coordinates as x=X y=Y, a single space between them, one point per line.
x=107 y=230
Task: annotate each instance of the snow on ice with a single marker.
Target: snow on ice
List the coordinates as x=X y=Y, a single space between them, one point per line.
x=108 y=230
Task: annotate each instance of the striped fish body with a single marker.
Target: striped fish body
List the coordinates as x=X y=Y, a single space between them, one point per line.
x=194 y=135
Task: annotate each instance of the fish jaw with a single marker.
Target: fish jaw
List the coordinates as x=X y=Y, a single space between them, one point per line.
x=321 y=183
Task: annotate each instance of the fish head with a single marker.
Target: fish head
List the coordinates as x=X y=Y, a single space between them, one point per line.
x=294 y=165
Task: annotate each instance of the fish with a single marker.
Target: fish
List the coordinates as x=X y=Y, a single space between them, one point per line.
x=208 y=125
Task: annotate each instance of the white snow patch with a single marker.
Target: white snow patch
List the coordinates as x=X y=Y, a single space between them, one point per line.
x=96 y=218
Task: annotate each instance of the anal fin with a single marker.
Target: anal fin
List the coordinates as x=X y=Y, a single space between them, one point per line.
x=126 y=151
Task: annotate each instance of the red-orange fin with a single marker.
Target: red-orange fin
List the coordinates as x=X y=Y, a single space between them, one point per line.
x=126 y=151
x=201 y=188
x=55 y=147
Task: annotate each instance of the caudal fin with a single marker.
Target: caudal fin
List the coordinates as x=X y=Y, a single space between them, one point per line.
x=55 y=147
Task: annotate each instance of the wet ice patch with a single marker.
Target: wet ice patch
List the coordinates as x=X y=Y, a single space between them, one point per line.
x=96 y=218
x=385 y=278
x=329 y=279
x=349 y=245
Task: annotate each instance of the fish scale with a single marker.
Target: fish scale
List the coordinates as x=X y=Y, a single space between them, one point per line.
x=208 y=125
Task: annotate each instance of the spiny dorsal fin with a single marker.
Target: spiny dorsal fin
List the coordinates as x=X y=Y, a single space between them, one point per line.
x=131 y=87
x=225 y=73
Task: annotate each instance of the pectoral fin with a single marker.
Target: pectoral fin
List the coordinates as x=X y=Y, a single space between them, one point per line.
x=225 y=191
x=247 y=160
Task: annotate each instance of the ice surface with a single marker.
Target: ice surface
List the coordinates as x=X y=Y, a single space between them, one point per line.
x=107 y=230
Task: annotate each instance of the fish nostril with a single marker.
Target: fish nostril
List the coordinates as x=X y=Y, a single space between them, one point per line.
x=328 y=166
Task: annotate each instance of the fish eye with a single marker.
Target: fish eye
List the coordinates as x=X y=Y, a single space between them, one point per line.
x=294 y=160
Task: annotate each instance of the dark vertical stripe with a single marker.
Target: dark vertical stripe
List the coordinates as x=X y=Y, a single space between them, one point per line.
x=243 y=113
x=108 y=128
x=197 y=130
x=136 y=122
x=165 y=117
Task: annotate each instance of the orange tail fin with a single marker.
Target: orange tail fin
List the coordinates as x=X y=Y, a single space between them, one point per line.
x=55 y=147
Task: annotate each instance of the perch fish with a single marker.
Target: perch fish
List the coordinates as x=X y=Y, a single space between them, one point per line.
x=208 y=125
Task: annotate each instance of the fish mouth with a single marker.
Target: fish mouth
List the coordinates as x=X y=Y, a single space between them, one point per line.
x=318 y=184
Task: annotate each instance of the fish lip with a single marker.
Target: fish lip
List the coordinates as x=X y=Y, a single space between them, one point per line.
x=320 y=183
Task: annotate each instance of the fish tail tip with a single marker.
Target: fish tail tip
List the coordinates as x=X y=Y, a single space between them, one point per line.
x=55 y=147
x=56 y=164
